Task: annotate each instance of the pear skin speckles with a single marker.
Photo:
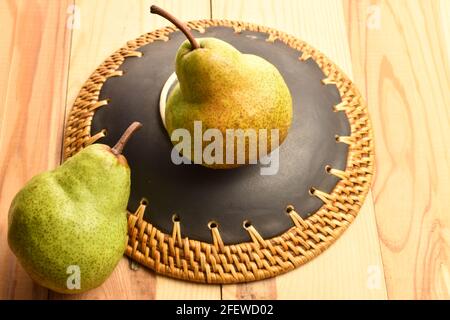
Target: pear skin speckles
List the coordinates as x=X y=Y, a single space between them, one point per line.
x=225 y=89
x=72 y=216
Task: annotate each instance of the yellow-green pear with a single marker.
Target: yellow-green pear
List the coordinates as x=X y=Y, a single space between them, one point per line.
x=225 y=89
x=68 y=227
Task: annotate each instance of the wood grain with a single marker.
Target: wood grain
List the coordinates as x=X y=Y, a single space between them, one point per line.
x=321 y=23
x=401 y=62
x=99 y=35
x=444 y=9
x=34 y=56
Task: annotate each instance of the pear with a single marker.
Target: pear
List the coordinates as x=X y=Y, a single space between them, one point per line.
x=68 y=227
x=226 y=89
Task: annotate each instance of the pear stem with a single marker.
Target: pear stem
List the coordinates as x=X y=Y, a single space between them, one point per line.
x=118 y=148
x=180 y=25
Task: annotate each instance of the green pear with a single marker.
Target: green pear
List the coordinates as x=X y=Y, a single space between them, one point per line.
x=226 y=89
x=68 y=227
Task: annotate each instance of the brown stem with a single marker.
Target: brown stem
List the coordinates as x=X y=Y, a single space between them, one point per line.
x=180 y=25
x=117 y=149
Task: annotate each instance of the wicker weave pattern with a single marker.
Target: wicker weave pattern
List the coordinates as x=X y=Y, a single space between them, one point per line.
x=183 y=258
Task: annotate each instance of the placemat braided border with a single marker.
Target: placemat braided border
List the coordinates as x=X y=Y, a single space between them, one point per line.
x=188 y=259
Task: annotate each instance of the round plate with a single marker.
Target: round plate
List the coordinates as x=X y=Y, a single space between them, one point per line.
x=198 y=195
x=316 y=191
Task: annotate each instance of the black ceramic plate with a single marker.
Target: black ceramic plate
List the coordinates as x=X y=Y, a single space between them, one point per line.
x=198 y=194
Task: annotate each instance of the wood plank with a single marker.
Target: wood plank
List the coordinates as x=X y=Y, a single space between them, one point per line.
x=34 y=57
x=444 y=9
x=8 y=15
x=400 y=53
x=352 y=268
x=106 y=26
x=168 y=288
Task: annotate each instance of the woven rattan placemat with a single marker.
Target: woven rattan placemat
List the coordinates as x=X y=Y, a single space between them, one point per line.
x=177 y=256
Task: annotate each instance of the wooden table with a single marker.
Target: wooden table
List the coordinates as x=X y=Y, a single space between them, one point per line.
x=397 y=52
